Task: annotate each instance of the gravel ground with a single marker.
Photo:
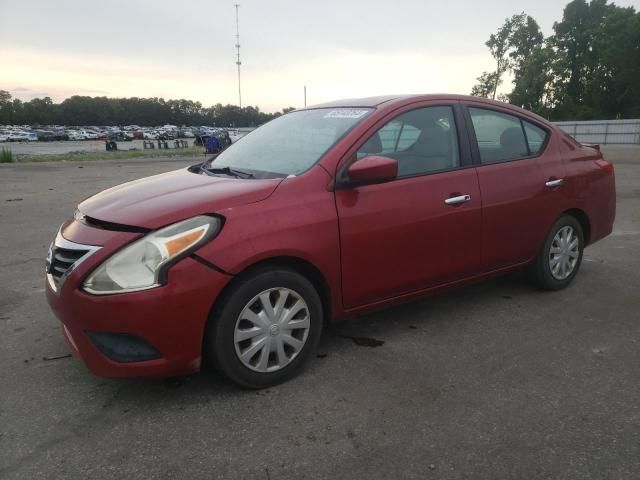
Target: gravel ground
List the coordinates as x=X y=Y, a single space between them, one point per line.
x=490 y=381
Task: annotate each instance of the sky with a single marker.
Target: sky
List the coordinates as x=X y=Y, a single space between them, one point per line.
x=172 y=49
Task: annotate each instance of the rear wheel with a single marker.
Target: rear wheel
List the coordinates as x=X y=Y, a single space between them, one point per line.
x=559 y=260
x=265 y=328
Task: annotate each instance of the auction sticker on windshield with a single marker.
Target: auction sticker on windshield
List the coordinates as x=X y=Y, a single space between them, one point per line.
x=346 y=113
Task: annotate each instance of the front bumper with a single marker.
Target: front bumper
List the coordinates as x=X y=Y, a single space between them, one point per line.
x=170 y=320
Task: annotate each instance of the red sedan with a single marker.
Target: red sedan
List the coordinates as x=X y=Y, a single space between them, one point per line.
x=320 y=214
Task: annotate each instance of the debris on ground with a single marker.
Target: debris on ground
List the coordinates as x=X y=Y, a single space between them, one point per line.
x=58 y=357
x=365 y=341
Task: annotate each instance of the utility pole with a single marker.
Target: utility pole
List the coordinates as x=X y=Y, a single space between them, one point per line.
x=238 y=62
x=305 y=96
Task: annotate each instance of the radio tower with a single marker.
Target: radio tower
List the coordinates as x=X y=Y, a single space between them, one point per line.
x=238 y=62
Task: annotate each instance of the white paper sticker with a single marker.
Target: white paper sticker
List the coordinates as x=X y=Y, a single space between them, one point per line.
x=346 y=113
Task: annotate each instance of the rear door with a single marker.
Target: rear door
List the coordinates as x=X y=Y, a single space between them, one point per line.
x=520 y=180
x=421 y=229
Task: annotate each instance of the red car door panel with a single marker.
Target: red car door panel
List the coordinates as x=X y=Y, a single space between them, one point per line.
x=513 y=224
x=401 y=236
x=520 y=177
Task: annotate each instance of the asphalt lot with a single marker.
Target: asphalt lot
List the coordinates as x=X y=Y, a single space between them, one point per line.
x=491 y=381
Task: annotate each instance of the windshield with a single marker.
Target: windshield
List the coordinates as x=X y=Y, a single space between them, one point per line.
x=292 y=143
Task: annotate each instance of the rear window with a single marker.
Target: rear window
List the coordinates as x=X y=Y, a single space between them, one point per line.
x=500 y=136
x=536 y=137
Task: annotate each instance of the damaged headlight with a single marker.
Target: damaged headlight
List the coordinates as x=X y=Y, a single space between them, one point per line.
x=143 y=264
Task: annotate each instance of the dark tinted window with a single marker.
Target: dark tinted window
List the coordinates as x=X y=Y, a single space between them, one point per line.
x=500 y=136
x=536 y=137
x=422 y=140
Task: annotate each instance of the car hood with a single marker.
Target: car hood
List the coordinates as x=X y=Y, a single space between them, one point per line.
x=159 y=200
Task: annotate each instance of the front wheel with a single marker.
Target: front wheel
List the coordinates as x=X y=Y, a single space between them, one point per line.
x=265 y=328
x=559 y=260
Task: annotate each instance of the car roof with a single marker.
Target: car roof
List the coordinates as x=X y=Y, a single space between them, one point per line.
x=392 y=101
x=369 y=102
x=379 y=100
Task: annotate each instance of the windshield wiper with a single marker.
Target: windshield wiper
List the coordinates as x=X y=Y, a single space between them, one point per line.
x=229 y=171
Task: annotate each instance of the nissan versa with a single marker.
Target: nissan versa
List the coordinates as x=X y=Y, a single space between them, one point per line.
x=320 y=214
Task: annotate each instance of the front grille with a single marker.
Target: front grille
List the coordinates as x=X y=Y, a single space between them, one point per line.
x=62 y=260
x=65 y=255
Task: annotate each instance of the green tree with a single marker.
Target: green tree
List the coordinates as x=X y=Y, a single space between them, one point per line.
x=589 y=68
x=498 y=44
x=532 y=84
x=510 y=47
x=597 y=71
x=527 y=62
x=486 y=85
x=6 y=107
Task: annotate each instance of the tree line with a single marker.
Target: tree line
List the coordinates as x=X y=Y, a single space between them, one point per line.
x=84 y=110
x=589 y=68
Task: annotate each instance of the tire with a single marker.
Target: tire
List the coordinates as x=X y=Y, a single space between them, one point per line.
x=541 y=273
x=235 y=317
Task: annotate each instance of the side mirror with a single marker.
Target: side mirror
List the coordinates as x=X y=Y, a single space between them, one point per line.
x=373 y=169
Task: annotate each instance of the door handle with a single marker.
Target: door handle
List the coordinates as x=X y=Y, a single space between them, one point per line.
x=457 y=200
x=555 y=183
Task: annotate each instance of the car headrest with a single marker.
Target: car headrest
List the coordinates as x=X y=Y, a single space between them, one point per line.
x=433 y=141
x=512 y=138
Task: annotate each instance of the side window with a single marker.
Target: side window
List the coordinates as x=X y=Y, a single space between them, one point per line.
x=500 y=136
x=536 y=137
x=422 y=140
x=408 y=137
x=389 y=135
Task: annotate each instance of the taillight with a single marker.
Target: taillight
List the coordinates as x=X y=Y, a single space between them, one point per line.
x=608 y=166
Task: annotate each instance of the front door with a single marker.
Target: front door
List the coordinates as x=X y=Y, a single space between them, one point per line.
x=423 y=228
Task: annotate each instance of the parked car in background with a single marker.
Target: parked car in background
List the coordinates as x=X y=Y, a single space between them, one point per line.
x=323 y=213
x=168 y=135
x=45 y=135
x=234 y=135
x=60 y=134
x=89 y=135
x=18 y=136
x=75 y=135
x=120 y=136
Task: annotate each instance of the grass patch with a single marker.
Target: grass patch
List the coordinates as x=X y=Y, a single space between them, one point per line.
x=104 y=155
x=5 y=155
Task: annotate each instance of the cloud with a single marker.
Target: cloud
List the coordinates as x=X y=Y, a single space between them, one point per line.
x=342 y=73
x=338 y=49
x=26 y=93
